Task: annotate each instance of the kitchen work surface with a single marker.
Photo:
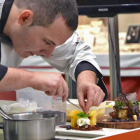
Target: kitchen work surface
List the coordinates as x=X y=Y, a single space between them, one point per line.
x=62 y=133
x=104 y=134
x=110 y=134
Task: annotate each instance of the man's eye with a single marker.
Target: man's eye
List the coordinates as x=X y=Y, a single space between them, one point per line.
x=46 y=42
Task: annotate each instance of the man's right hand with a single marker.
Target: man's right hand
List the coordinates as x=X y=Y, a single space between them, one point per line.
x=52 y=83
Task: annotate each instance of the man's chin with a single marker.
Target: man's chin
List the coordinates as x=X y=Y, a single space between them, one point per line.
x=26 y=57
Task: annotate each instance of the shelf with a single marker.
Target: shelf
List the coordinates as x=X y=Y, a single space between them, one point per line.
x=129 y=64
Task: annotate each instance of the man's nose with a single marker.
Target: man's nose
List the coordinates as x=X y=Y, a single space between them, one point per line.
x=37 y=53
x=48 y=53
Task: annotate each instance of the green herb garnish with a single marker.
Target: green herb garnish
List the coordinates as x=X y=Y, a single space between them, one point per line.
x=137 y=103
x=120 y=104
x=133 y=103
x=82 y=115
x=130 y=103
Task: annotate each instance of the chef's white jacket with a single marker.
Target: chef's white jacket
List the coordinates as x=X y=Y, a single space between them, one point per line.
x=65 y=57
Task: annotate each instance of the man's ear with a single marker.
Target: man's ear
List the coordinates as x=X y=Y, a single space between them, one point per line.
x=25 y=18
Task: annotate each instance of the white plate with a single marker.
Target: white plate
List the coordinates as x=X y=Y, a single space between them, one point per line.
x=89 y=134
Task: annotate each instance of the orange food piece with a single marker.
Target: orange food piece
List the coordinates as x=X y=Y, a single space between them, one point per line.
x=74 y=118
x=93 y=117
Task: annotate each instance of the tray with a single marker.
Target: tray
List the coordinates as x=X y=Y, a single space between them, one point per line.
x=102 y=122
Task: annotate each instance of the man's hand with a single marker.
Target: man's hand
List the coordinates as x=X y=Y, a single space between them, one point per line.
x=87 y=89
x=52 y=83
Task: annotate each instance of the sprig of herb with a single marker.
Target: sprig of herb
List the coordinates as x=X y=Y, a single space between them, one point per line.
x=120 y=104
x=82 y=115
x=130 y=103
x=133 y=103
x=137 y=103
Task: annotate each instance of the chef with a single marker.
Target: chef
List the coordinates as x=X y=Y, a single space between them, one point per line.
x=46 y=28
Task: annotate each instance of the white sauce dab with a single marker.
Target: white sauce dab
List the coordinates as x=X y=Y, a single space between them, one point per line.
x=83 y=121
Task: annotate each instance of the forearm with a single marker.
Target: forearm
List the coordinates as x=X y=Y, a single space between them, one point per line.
x=87 y=75
x=16 y=79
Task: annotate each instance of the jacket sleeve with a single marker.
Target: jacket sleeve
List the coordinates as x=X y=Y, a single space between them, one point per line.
x=84 y=65
x=3 y=71
x=67 y=57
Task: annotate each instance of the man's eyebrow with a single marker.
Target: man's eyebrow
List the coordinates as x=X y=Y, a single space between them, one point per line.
x=50 y=41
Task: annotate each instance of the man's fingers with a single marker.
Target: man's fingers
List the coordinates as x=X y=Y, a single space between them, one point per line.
x=47 y=92
x=60 y=89
x=51 y=91
x=93 y=98
x=65 y=91
x=100 y=98
x=81 y=101
x=64 y=97
x=90 y=100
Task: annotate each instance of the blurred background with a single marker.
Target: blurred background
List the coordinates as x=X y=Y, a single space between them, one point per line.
x=94 y=31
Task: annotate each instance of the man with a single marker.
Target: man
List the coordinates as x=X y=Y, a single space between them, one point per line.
x=47 y=28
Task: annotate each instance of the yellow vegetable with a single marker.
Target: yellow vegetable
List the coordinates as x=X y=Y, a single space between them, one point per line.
x=109 y=105
x=74 y=118
x=93 y=117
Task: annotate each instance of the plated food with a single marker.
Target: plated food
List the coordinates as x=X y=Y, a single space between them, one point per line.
x=84 y=122
x=126 y=108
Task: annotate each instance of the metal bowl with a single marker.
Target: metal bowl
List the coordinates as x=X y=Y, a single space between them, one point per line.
x=30 y=126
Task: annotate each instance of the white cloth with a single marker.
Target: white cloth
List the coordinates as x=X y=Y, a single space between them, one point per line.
x=9 y=57
x=66 y=57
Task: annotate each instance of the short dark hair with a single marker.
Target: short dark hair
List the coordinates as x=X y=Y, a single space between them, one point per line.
x=46 y=11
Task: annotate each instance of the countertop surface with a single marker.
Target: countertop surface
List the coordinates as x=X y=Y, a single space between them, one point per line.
x=62 y=133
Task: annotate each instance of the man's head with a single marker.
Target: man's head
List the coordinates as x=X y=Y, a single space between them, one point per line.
x=33 y=21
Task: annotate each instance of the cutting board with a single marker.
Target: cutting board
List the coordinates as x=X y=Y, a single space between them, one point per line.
x=102 y=122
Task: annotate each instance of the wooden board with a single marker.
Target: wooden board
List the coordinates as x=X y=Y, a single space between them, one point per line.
x=118 y=125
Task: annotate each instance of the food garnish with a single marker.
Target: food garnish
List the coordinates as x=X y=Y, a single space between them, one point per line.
x=84 y=122
x=68 y=127
x=83 y=119
x=82 y=115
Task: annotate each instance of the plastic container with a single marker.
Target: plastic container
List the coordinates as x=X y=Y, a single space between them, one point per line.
x=16 y=108
x=50 y=104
